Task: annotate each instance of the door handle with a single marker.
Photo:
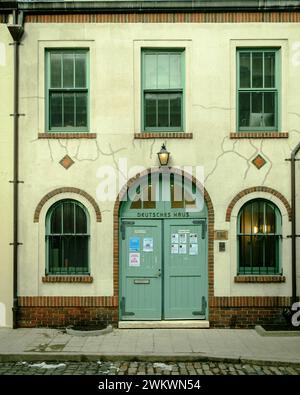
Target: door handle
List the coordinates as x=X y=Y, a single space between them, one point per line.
x=158 y=274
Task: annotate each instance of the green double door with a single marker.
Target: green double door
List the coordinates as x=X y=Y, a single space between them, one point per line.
x=163 y=269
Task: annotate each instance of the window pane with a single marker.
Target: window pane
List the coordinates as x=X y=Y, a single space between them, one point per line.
x=245 y=70
x=244 y=108
x=163 y=110
x=150 y=110
x=69 y=109
x=246 y=219
x=271 y=260
x=68 y=70
x=269 y=109
x=150 y=71
x=81 y=110
x=175 y=71
x=269 y=69
x=256 y=115
x=75 y=254
x=258 y=216
x=80 y=70
x=258 y=249
x=54 y=254
x=163 y=75
x=55 y=226
x=55 y=70
x=68 y=217
x=257 y=70
x=81 y=223
x=245 y=251
x=55 y=110
x=175 y=110
x=270 y=225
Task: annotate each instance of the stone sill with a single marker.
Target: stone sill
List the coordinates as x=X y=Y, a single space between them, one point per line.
x=67 y=279
x=259 y=135
x=260 y=279
x=163 y=135
x=65 y=135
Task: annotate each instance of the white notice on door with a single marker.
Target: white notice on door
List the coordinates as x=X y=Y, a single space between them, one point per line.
x=174 y=238
x=148 y=244
x=174 y=248
x=134 y=259
x=193 y=238
x=182 y=237
x=193 y=249
x=182 y=248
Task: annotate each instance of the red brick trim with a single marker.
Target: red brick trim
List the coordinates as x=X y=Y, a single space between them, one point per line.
x=67 y=301
x=67 y=135
x=67 y=279
x=250 y=301
x=210 y=209
x=170 y=17
x=259 y=135
x=259 y=279
x=258 y=189
x=164 y=135
x=58 y=191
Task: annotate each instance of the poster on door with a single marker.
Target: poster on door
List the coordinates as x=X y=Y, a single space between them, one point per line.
x=193 y=250
x=182 y=248
x=174 y=248
x=134 y=259
x=134 y=244
x=148 y=244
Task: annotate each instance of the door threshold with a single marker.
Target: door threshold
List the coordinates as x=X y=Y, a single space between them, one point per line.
x=171 y=324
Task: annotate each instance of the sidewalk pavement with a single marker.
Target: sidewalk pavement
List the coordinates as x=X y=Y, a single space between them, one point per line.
x=228 y=345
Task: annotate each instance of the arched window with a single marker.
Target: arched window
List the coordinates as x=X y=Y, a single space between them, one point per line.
x=259 y=238
x=67 y=238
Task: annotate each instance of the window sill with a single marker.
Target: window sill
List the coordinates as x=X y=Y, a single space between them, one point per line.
x=67 y=279
x=163 y=135
x=67 y=135
x=259 y=135
x=259 y=279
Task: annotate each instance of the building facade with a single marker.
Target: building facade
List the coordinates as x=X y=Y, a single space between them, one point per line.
x=110 y=236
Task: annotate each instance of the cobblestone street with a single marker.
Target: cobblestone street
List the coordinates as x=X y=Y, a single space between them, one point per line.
x=143 y=368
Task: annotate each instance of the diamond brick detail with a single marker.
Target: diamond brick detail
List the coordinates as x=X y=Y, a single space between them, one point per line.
x=66 y=162
x=259 y=162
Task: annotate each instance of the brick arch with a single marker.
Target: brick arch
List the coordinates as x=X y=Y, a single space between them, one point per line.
x=258 y=189
x=59 y=191
x=210 y=219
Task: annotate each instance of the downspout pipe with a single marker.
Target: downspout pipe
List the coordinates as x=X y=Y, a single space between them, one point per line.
x=16 y=30
x=293 y=235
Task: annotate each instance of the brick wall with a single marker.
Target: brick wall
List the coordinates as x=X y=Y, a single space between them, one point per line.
x=60 y=317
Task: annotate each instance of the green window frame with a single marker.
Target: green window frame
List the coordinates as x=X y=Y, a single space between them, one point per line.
x=67 y=238
x=259 y=237
x=163 y=90
x=258 y=89
x=67 y=90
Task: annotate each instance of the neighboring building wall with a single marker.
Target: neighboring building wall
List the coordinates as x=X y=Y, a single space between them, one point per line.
x=114 y=112
x=6 y=162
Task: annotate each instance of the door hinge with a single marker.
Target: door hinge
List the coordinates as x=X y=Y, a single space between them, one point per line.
x=203 y=307
x=123 y=312
x=201 y=222
x=123 y=228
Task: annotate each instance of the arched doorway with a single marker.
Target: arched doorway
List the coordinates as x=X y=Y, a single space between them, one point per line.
x=163 y=249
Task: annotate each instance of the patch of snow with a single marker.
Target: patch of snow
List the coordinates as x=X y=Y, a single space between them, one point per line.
x=43 y=365
x=162 y=366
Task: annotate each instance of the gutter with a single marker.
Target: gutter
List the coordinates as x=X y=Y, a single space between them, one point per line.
x=294 y=235
x=16 y=30
x=138 y=6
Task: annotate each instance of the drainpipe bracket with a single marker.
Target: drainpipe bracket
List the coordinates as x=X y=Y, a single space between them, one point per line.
x=289 y=159
x=16 y=182
x=17 y=115
x=17 y=243
x=290 y=236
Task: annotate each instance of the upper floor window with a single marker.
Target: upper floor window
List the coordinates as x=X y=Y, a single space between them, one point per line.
x=259 y=235
x=163 y=90
x=67 y=90
x=67 y=238
x=258 y=89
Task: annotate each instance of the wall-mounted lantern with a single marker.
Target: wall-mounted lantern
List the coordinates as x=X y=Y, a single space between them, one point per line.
x=163 y=156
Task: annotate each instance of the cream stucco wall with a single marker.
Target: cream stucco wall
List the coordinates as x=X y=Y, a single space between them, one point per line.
x=115 y=108
x=6 y=140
